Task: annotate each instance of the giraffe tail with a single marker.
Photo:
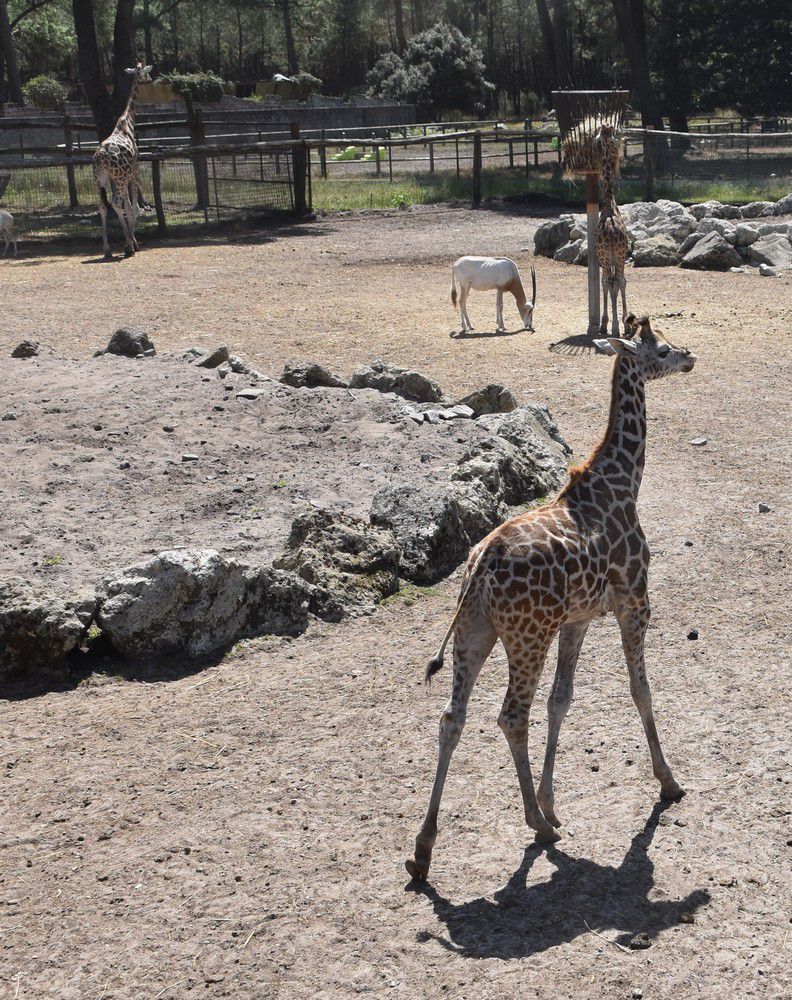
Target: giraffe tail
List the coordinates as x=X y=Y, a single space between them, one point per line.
x=436 y=662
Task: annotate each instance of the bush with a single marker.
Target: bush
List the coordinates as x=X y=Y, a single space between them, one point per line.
x=46 y=93
x=440 y=69
x=309 y=81
x=205 y=87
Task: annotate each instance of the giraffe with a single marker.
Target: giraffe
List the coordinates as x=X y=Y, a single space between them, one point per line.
x=611 y=237
x=553 y=570
x=115 y=168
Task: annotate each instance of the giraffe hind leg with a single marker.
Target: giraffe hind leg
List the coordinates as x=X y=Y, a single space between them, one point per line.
x=474 y=638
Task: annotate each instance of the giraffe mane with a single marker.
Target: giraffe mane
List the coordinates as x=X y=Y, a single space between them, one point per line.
x=576 y=472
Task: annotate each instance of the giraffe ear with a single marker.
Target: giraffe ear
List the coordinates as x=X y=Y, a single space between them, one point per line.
x=616 y=345
x=604 y=347
x=148 y=69
x=130 y=71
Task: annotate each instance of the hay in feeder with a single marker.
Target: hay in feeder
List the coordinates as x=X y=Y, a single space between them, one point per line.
x=589 y=143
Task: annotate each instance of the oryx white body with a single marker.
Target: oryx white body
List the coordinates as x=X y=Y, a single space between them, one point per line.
x=7 y=231
x=485 y=274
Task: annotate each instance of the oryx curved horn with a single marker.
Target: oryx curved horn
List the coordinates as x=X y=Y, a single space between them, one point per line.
x=533 y=285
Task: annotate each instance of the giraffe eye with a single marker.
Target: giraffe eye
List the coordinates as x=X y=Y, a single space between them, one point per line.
x=663 y=350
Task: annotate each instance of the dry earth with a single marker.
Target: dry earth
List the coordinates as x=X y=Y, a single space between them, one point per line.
x=239 y=832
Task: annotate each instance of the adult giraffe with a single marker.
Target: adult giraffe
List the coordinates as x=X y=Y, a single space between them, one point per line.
x=115 y=169
x=611 y=238
x=557 y=568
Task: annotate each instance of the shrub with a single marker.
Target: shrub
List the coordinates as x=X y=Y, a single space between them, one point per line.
x=205 y=87
x=309 y=81
x=45 y=92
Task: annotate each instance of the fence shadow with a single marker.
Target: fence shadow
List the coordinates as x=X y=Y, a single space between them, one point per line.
x=522 y=921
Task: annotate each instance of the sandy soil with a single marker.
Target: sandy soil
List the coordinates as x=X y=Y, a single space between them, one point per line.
x=240 y=832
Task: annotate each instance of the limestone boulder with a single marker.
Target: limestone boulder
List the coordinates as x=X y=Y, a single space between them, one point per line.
x=311 y=375
x=775 y=250
x=783 y=206
x=716 y=210
x=492 y=398
x=758 y=209
x=552 y=235
x=711 y=253
x=404 y=382
x=128 y=342
x=656 y=251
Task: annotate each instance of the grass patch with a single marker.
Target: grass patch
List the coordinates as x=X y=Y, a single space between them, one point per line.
x=409 y=593
x=54 y=560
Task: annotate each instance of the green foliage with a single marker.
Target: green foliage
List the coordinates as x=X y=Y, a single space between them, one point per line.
x=313 y=83
x=440 y=69
x=204 y=87
x=46 y=93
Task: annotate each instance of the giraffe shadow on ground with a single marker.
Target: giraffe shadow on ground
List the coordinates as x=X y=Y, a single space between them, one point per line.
x=577 y=344
x=484 y=334
x=520 y=920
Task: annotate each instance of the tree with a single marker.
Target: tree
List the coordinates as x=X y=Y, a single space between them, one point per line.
x=441 y=69
x=90 y=63
x=123 y=53
x=631 y=21
x=10 y=56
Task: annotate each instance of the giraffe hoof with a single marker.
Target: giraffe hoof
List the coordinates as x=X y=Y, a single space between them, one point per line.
x=416 y=870
x=129 y=251
x=672 y=792
x=552 y=819
x=546 y=836
x=108 y=255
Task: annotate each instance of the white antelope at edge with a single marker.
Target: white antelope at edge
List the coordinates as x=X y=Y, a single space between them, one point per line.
x=485 y=273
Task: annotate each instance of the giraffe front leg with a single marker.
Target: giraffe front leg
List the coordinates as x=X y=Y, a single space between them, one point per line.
x=569 y=642
x=134 y=190
x=623 y=290
x=103 y=218
x=605 y=282
x=614 y=292
x=633 y=623
x=130 y=220
x=473 y=641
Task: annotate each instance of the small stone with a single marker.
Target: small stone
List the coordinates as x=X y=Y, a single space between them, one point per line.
x=698 y=442
x=218 y=407
x=127 y=342
x=462 y=410
x=249 y=393
x=124 y=464
x=216 y=358
x=188 y=457
x=432 y=416
x=687 y=917
x=766 y=271
x=764 y=508
x=149 y=353
x=640 y=941
x=416 y=416
x=168 y=428
x=693 y=634
x=10 y=415
x=637 y=994
x=736 y=270
x=688 y=543
x=27 y=349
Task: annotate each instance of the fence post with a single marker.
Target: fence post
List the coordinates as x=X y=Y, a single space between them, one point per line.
x=477 y=167
x=431 y=157
x=298 y=171
x=156 y=183
x=195 y=127
x=536 y=152
x=377 y=159
x=511 y=154
x=747 y=156
x=649 y=174
x=390 y=163
x=456 y=142
x=69 y=147
x=323 y=156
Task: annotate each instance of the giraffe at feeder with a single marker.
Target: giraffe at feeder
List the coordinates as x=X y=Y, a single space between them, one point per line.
x=115 y=169
x=553 y=570
x=611 y=239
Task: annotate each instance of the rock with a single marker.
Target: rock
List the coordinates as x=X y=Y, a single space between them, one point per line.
x=214 y=359
x=196 y=602
x=693 y=634
x=124 y=465
x=764 y=508
x=311 y=375
x=640 y=941
x=349 y=564
x=552 y=235
x=766 y=271
x=698 y=442
x=712 y=253
x=655 y=251
x=432 y=416
x=775 y=250
x=10 y=415
x=463 y=410
x=736 y=270
x=37 y=629
x=570 y=252
x=767 y=228
x=480 y=509
x=129 y=343
x=745 y=235
x=249 y=393
x=712 y=225
x=689 y=242
x=758 y=209
x=492 y=398
x=192 y=353
x=27 y=349
x=428 y=527
x=715 y=209
x=237 y=365
x=645 y=219
x=783 y=206
x=388 y=378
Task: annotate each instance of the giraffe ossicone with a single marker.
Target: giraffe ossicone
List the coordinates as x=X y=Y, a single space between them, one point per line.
x=552 y=571
x=116 y=170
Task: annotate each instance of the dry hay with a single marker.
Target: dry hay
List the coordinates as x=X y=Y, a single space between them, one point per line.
x=583 y=150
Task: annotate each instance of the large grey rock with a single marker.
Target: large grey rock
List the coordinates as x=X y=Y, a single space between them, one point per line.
x=196 y=602
x=783 y=206
x=427 y=523
x=656 y=251
x=38 y=629
x=492 y=398
x=349 y=564
x=715 y=209
x=552 y=235
x=26 y=349
x=758 y=209
x=689 y=242
x=480 y=509
x=766 y=228
x=710 y=224
x=745 y=235
x=645 y=219
x=215 y=358
x=129 y=343
x=311 y=375
x=570 y=253
x=404 y=382
x=774 y=250
x=712 y=253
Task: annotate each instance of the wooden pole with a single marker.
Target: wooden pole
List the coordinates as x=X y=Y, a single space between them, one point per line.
x=298 y=171
x=156 y=183
x=69 y=146
x=592 y=217
x=476 y=168
x=323 y=157
x=431 y=157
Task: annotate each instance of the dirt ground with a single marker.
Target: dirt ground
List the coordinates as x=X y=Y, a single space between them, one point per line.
x=240 y=831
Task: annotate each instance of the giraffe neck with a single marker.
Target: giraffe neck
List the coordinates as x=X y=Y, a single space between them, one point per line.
x=127 y=120
x=621 y=455
x=607 y=179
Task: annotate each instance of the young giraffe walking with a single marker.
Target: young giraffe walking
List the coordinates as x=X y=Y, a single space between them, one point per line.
x=611 y=237
x=115 y=168
x=557 y=568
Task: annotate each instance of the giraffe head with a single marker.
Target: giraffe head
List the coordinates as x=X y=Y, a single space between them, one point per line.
x=652 y=353
x=141 y=73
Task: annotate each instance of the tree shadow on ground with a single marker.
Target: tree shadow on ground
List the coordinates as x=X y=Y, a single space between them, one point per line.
x=520 y=920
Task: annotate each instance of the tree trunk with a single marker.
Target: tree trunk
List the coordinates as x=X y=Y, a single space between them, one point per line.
x=418 y=12
x=147 y=40
x=240 y=39
x=398 y=17
x=291 y=49
x=677 y=90
x=560 y=44
x=123 y=53
x=546 y=27
x=89 y=61
x=15 y=94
